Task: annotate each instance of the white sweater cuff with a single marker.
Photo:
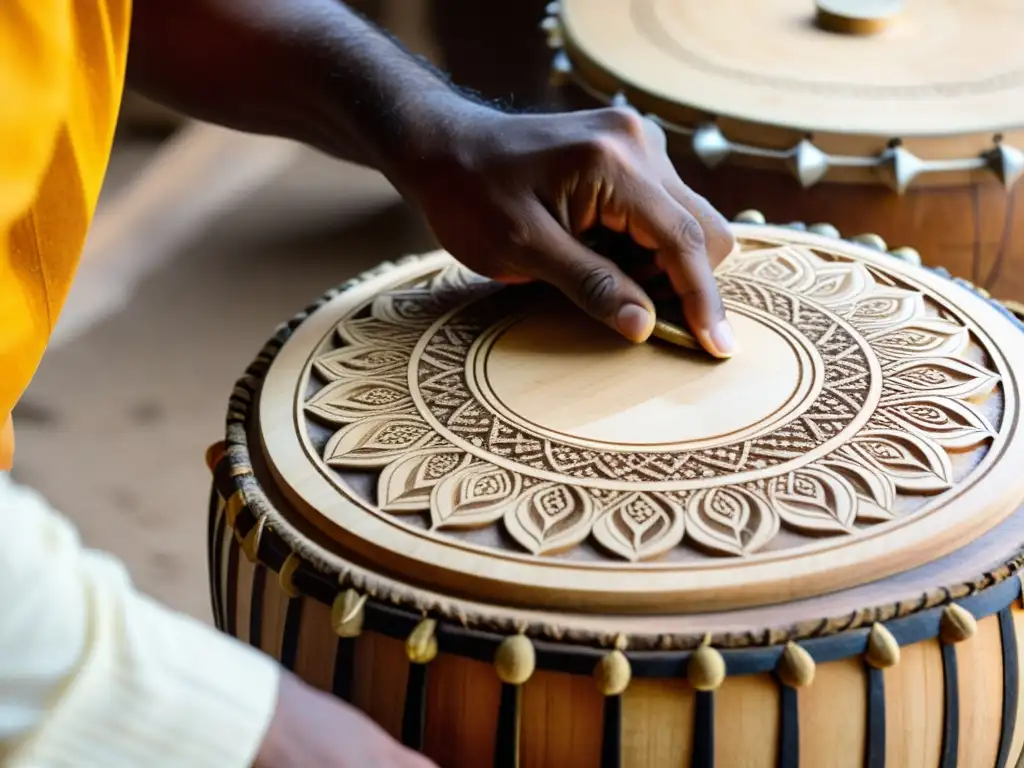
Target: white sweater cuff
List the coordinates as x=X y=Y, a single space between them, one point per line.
x=157 y=689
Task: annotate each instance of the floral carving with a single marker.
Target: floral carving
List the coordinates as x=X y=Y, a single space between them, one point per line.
x=551 y=517
x=500 y=473
x=731 y=520
x=640 y=526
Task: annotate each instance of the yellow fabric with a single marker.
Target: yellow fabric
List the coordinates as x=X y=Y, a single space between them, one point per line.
x=62 y=66
x=92 y=673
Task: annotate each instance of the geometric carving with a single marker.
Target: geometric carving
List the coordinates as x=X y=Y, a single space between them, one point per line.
x=884 y=395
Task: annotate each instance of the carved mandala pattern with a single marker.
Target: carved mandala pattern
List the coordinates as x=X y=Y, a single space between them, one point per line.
x=895 y=397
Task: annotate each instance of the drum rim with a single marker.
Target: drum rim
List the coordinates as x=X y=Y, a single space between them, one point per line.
x=893 y=165
x=257 y=521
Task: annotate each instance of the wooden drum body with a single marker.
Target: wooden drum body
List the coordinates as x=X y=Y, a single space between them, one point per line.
x=911 y=128
x=514 y=539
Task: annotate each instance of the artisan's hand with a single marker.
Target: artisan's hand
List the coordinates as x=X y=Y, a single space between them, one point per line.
x=311 y=728
x=505 y=194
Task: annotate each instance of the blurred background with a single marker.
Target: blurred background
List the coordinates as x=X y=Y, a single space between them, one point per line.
x=203 y=242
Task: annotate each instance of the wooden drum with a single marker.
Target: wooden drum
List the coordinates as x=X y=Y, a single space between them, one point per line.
x=514 y=539
x=903 y=118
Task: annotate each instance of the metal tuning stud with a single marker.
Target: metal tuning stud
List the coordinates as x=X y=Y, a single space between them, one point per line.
x=899 y=167
x=710 y=145
x=619 y=100
x=1007 y=162
x=807 y=163
x=553 y=29
x=561 y=68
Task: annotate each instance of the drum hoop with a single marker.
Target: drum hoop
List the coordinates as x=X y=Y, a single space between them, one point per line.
x=894 y=166
x=394 y=607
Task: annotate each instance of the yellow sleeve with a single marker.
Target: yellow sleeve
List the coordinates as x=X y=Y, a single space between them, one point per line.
x=36 y=57
x=36 y=52
x=92 y=673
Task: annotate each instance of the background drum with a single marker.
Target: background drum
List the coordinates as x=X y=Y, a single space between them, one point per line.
x=907 y=122
x=515 y=539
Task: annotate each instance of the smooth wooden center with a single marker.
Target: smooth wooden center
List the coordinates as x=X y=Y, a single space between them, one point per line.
x=558 y=369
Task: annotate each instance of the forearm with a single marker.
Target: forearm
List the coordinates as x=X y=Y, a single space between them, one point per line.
x=309 y=70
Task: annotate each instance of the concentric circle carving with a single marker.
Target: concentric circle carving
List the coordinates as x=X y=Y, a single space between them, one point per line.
x=888 y=394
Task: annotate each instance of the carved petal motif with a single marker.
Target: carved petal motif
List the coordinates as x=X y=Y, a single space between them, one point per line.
x=876 y=494
x=455 y=281
x=362 y=362
x=414 y=307
x=344 y=401
x=731 y=520
x=948 y=422
x=921 y=338
x=912 y=463
x=640 y=526
x=815 y=500
x=405 y=485
x=377 y=440
x=784 y=266
x=948 y=376
x=371 y=332
x=551 y=518
x=837 y=285
x=886 y=308
x=473 y=496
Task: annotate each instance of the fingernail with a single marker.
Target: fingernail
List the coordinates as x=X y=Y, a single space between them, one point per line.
x=722 y=341
x=634 y=322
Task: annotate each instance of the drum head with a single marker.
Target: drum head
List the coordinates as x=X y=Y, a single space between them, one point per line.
x=927 y=67
x=498 y=445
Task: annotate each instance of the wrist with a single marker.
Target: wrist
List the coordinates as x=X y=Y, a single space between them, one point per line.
x=439 y=135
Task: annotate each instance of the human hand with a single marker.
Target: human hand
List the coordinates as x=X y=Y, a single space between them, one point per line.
x=311 y=728
x=508 y=195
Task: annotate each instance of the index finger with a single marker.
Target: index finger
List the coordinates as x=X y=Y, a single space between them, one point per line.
x=677 y=238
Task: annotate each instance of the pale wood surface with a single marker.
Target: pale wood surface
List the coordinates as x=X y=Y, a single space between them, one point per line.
x=562 y=714
x=914 y=706
x=941 y=67
x=593 y=406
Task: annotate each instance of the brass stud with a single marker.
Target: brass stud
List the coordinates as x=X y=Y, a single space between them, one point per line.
x=749 y=217
x=347 y=613
x=907 y=254
x=251 y=542
x=956 y=625
x=706 y=668
x=825 y=230
x=285 y=578
x=796 y=667
x=871 y=240
x=1015 y=308
x=421 y=647
x=613 y=673
x=515 y=660
x=233 y=507
x=883 y=650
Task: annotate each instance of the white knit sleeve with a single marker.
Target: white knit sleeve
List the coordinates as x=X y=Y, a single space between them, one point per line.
x=92 y=673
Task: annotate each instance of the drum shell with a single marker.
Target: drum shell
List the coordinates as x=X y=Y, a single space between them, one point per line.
x=939 y=703
x=965 y=225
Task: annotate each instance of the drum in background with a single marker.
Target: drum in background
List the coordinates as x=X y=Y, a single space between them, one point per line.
x=514 y=539
x=908 y=124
